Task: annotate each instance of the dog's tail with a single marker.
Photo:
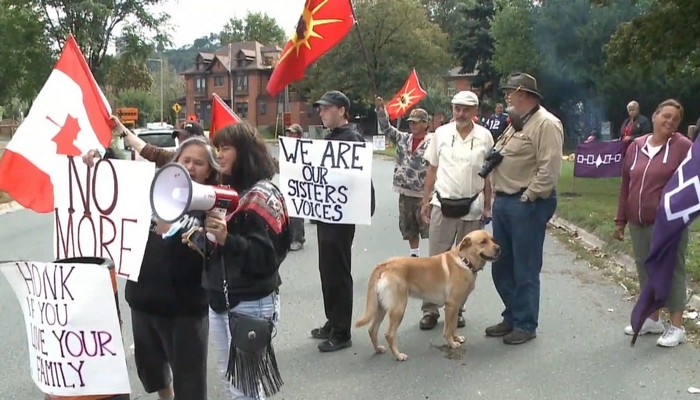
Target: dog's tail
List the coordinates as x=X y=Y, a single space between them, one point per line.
x=372 y=303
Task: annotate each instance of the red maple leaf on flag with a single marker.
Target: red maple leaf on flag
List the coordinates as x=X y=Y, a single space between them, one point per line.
x=410 y=94
x=66 y=136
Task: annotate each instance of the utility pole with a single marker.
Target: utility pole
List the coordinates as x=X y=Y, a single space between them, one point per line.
x=230 y=71
x=160 y=60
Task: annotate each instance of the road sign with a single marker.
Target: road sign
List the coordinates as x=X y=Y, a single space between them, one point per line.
x=177 y=108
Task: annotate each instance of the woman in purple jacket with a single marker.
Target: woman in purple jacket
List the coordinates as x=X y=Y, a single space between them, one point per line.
x=650 y=162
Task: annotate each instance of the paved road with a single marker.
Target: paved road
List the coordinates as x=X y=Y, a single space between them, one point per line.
x=580 y=353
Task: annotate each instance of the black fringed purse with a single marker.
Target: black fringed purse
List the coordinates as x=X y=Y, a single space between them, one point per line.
x=252 y=364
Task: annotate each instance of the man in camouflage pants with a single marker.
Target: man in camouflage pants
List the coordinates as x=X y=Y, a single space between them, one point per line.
x=409 y=172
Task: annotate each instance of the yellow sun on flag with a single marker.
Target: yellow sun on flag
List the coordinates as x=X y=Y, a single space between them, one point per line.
x=405 y=100
x=305 y=29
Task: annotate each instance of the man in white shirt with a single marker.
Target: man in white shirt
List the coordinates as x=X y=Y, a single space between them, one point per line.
x=456 y=200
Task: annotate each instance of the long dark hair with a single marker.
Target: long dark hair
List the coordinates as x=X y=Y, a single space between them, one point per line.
x=253 y=161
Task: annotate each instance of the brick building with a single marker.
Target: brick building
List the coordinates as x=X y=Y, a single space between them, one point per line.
x=249 y=65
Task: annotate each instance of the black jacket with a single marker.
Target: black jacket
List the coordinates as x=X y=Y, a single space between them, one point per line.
x=348 y=133
x=257 y=243
x=170 y=281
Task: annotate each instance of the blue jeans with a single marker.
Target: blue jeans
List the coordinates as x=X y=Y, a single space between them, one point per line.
x=220 y=335
x=519 y=228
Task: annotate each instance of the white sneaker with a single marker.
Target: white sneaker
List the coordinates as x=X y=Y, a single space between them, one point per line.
x=672 y=336
x=649 y=326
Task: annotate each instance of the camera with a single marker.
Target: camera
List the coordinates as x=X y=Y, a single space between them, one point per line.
x=493 y=158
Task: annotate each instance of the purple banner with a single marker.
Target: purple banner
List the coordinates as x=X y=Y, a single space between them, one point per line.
x=679 y=206
x=599 y=159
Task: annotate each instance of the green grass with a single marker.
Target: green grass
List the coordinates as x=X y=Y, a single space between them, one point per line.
x=592 y=203
x=389 y=151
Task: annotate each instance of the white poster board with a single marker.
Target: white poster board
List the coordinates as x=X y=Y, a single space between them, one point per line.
x=605 y=131
x=103 y=211
x=327 y=180
x=379 y=142
x=74 y=337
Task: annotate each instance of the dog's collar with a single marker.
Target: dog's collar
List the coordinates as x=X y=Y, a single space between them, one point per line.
x=469 y=265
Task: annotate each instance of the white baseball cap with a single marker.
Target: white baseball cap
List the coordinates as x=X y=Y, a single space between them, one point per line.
x=466 y=98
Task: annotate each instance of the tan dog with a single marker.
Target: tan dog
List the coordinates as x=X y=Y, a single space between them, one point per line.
x=445 y=279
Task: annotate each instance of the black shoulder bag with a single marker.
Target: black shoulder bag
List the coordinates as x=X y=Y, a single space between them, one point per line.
x=456 y=208
x=251 y=362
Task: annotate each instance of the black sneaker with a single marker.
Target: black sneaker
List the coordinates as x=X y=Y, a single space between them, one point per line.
x=518 y=337
x=461 y=323
x=428 y=322
x=500 y=329
x=323 y=332
x=334 y=344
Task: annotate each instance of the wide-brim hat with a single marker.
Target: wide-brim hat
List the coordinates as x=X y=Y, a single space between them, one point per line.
x=522 y=81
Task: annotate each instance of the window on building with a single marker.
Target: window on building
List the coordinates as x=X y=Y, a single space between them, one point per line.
x=242 y=83
x=200 y=85
x=451 y=89
x=219 y=81
x=262 y=108
x=242 y=109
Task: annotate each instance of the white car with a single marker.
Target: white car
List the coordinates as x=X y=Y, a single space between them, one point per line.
x=157 y=137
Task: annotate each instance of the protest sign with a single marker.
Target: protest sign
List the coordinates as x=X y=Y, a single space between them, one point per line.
x=73 y=333
x=599 y=159
x=103 y=211
x=379 y=142
x=327 y=180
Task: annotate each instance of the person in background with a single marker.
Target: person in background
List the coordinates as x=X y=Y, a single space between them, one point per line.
x=409 y=172
x=187 y=130
x=497 y=122
x=454 y=156
x=635 y=125
x=296 y=223
x=251 y=243
x=649 y=164
x=524 y=181
x=335 y=240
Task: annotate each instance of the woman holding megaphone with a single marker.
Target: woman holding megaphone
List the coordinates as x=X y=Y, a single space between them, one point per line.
x=241 y=272
x=168 y=304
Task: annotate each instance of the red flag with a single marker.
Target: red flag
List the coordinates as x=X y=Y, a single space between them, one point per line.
x=69 y=116
x=409 y=95
x=221 y=115
x=322 y=25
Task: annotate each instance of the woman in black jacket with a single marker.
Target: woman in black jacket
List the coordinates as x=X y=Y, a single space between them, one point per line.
x=168 y=304
x=251 y=243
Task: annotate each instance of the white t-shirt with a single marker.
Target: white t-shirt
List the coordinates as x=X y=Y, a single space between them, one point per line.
x=651 y=150
x=458 y=162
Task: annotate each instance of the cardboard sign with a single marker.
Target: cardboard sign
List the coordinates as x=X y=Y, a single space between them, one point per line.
x=379 y=142
x=327 y=180
x=103 y=211
x=73 y=332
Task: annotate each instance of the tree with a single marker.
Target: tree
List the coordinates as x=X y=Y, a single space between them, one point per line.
x=397 y=37
x=513 y=34
x=25 y=51
x=666 y=32
x=471 y=40
x=93 y=24
x=141 y=99
x=256 y=26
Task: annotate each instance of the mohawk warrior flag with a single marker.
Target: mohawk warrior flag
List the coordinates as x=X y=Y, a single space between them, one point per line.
x=679 y=206
x=69 y=116
x=322 y=25
x=599 y=159
x=410 y=94
x=221 y=115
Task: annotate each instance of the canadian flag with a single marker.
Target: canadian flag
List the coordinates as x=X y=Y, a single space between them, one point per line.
x=221 y=115
x=69 y=117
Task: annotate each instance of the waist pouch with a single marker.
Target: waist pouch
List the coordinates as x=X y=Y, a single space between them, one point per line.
x=456 y=208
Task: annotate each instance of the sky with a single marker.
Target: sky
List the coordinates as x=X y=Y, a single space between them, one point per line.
x=191 y=19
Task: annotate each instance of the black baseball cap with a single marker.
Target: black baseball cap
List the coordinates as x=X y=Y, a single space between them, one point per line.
x=334 y=98
x=189 y=129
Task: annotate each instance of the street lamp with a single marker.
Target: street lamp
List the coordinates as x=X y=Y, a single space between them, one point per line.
x=160 y=60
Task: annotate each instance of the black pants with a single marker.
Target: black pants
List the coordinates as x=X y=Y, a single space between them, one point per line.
x=162 y=345
x=334 y=264
x=296 y=227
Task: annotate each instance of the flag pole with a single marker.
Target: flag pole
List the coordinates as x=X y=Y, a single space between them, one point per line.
x=364 y=50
